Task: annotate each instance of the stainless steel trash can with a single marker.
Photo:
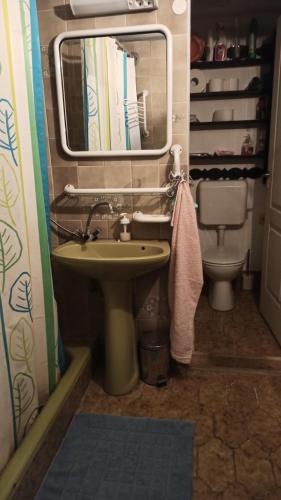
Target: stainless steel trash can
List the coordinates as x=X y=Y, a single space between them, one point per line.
x=154 y=358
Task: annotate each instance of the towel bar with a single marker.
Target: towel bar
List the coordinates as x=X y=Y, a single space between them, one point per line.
x=69 y=189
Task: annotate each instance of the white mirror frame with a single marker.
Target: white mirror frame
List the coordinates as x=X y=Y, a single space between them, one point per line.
x=149 y=28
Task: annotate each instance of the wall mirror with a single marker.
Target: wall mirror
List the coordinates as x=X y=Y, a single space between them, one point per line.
x=114 y=89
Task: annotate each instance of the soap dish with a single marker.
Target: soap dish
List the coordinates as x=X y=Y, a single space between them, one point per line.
x=150 y=218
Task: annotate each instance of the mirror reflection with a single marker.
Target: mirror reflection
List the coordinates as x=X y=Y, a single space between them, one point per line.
x=115 y=92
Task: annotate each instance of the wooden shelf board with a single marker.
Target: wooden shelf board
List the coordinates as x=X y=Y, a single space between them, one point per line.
x=226 y=94
x=234 y=124
x=240 y=63
x=220 y=160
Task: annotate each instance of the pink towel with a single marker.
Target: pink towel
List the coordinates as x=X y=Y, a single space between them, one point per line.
x=185 y=275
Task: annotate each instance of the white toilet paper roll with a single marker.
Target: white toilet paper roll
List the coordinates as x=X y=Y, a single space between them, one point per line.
x=223 y=115
x=215 y=85
x=231 y=84
x=197 y=81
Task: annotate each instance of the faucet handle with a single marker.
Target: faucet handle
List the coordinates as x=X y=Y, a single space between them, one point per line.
x=94 y=235
x=80 y=235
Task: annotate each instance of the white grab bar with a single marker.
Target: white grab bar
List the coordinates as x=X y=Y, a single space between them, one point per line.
x=176 y=151
x=69 y=189
x=151 y=218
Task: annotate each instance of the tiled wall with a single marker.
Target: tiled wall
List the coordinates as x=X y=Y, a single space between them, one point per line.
x=151 y=75
x=80 y=302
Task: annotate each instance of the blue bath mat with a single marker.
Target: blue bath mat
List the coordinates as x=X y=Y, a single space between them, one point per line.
x=121 y=458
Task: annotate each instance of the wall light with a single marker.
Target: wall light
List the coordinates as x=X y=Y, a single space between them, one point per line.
x=88 y=8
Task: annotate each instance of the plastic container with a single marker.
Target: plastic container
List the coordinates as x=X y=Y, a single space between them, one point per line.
x=154 y=358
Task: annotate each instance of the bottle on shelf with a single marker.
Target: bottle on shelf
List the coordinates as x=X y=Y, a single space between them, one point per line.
x=261 y=109
x=220 y=49
x=247 y=148
x=260 y=142
x=253 y=39
x=236 y=41
x=209 y=48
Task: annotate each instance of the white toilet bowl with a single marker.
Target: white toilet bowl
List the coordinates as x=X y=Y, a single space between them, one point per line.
x=222 y=205
x=222 y=265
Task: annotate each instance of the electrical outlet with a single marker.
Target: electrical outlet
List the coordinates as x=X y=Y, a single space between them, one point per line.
x=138 y=5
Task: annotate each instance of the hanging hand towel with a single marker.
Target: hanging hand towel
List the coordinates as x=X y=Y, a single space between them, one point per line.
x=185 y=275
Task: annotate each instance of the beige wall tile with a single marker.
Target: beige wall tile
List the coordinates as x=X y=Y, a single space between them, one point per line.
x=166 y=159
x=50 y=26
x=117 y=161
x=150 y=160
x=145 y=176
x=92 y=177
x=67 y=208
x=47 y=58
x=148 y=204
x=49 y=162
x=110 y=21
x=48 y=4
x=164 y=170
x=77 y=23
x=53 y=123
x=143 y=68
x=50 y=182
x=179 y=86
x=158 y=68
x=141 y=18
x=180 y=52
x=90 y=163
x=143 y=83
x=114 y=229
x=50 y=93
x=158 y=49
x=143 y=48
x=71 y=225
x=58 y=157
x=180 y=120
x=145 y=231
x=118 y=175
x=166 y=231
x=158 y=85
x=63 y=176
x=165 y=15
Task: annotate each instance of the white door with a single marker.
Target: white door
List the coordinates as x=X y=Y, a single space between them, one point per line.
x=270 y=301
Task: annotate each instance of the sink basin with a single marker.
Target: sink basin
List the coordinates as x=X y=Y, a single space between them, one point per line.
x=113 y=260
x=115 y=264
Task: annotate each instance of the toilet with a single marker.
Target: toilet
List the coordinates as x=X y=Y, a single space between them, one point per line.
x=222 y=205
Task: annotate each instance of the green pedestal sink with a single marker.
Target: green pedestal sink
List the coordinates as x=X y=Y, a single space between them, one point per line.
x=114 y=264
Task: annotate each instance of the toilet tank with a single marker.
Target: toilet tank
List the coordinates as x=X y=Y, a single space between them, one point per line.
x=222 y=203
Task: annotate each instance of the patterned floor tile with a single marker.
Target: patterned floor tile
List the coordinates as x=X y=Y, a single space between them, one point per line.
x=237 y=413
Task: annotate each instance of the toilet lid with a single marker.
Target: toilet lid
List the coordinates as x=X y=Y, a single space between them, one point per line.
x=223 y=255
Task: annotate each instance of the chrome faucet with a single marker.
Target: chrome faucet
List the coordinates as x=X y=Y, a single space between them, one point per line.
x=82 y=236
x=87 y=235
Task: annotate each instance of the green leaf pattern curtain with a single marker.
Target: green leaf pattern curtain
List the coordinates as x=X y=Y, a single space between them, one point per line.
x=111 y=117
x=28 y=343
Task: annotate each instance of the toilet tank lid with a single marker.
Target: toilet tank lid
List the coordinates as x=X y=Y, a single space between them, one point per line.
x=223 y=255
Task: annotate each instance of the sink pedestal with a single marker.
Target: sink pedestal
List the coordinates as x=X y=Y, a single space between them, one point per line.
x=115 y=264
x=121 y=363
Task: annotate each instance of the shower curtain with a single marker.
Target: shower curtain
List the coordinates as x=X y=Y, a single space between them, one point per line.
x=29 y=367
x=111 y=118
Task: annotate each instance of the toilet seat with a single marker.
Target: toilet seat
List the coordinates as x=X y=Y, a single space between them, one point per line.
x=223 y=256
